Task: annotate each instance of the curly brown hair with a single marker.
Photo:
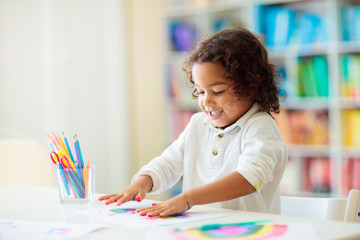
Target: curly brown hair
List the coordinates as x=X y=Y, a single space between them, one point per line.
x=246 y=64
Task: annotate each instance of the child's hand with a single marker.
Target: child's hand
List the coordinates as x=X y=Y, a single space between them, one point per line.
x=136 y=191
x=173 y=206
x=131 y=193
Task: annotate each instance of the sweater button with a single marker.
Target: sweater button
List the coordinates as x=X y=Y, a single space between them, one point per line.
x=215 y=152
x=220 y=135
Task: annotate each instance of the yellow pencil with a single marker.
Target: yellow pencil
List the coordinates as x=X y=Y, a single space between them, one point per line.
x=61 y=146
x=59 y=149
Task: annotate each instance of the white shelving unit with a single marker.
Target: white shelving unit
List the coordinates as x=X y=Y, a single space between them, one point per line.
x=246 y=13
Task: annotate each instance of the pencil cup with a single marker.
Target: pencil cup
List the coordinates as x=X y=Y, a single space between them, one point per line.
x=76 y=186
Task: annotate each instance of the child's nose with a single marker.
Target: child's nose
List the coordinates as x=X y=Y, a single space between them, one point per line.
x=207 y=101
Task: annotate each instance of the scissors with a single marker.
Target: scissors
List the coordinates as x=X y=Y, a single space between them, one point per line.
x=63 y=160
x=64 y=177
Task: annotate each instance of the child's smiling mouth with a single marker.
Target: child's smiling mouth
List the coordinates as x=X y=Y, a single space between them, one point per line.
x=215 y=114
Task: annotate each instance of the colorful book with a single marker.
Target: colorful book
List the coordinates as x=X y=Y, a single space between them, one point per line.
x=350 y=22
x=317 y=175
x=277 y=25
x=313 y=77
x=321 y=75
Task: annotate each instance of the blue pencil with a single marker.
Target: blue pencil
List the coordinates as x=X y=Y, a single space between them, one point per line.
x=64 y=179
x=78 y=186
x=75 y=189
x=68 y=147
x=79 y=171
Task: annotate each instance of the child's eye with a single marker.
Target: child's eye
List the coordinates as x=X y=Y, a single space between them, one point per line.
x=218 y=93
x=199 y=92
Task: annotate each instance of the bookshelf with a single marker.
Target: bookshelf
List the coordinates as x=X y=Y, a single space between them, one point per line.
x=316 y=47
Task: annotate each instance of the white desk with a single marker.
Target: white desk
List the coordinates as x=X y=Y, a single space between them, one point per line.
x=34 y=203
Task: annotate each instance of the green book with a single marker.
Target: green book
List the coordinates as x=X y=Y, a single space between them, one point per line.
x=355 y=72
x=345 y=75
x=321 y=75
x=301 y=76
x=307 y=78
x=311 y=78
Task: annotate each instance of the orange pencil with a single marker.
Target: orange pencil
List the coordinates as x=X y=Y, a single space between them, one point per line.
x=86 y=178
x=85 y=181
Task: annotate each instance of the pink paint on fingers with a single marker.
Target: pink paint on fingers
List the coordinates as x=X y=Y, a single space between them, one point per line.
x=138 y=198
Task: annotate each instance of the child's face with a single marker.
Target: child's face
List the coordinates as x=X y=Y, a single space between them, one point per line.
x=216 y=98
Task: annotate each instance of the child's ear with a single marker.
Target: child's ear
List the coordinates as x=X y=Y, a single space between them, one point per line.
x=258 y=78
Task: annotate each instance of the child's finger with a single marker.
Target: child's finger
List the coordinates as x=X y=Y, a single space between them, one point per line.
x=126 y=196
x=114 y=198
x=169 y=212
x=105 y=197
x=154 y=213
x=150 y=211
x=140 y=196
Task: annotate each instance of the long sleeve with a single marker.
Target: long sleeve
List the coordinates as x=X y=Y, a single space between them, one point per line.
x=166 y=169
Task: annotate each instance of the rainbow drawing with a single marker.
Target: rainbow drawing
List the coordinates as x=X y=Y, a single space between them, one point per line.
x=112 y=212
x=115 y=211
x=176 y=217
x=59 y=231
x=173 y=217
x=248 y=231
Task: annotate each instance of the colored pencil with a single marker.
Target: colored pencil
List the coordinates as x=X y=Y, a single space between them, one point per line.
x=68 y=147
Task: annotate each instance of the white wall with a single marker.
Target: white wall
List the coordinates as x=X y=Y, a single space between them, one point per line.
x=64 y=67
x=148 y=104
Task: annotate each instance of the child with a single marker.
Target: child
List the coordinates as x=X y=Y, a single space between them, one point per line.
x=231 y=154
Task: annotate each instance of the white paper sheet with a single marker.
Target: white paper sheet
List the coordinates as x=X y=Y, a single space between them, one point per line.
x=293 y=231
x=30 y=230
x=123 y=215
